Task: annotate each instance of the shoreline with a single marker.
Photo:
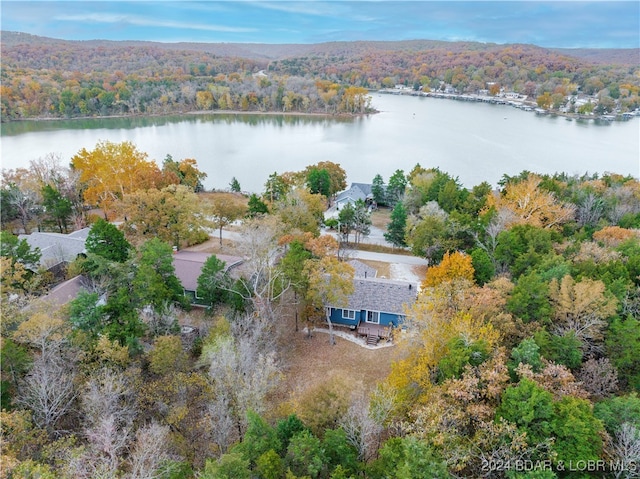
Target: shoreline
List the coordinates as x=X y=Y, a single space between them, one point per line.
x=200 y=112
x=520 y=104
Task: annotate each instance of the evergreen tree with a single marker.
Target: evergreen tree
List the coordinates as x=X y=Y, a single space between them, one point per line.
x=378 y=190
x=396 y=187
x=57 y=207
x=106 y=240
x=256 y=206
x=235 y=185
x=396 y=228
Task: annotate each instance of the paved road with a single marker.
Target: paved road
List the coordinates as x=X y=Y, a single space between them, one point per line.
x=352 y=254
x=386 y=257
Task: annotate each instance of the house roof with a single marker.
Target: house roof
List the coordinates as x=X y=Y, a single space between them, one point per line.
x=56 y=247
x=64 y=292
x=362 y=270
x=188 y=266
x=382 y=295
x=357 y=191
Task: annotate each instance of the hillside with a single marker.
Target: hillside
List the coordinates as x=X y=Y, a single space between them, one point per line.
x=46 y=77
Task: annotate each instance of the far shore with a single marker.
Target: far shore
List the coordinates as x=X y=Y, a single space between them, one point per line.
x=201 y=112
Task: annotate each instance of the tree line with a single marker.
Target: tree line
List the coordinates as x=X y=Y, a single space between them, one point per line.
x=71 y=79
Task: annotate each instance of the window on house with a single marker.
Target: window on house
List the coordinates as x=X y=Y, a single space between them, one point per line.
x=348 y=314
x=373 y=317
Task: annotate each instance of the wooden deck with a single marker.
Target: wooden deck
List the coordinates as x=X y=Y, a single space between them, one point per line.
x=375 y=330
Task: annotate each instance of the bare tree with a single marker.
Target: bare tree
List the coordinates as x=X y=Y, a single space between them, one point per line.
x=150 y=452
x=48 y=389
x=361 y=427
x=242 y=373
x=599 y=378
x=626 y=449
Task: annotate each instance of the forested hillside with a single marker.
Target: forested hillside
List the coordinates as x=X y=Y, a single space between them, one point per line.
x=43 y=77
x=518 y=358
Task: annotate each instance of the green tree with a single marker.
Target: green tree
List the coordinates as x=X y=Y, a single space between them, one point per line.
x=235 y=185
x=19 y=250
x=256 y=206
x=565 y=349
x=86 y=314
x=155 y=282
x=527 y=352
x=622 y=345
x=305 y=456
x=212 y=282
x=57 y=206
x=361 y=220
x=287 y=428
x=396 y=187
x=576 y=430
x=529 y=299
x=270 y=465
x=408 y=458
x=229 y=466
x=378 y=190
x=259 y=438
x=339 y=452
x=14 y=362
x=530 y=408
x=615 y=411
x=319 y=181
x=275 y=187
x=483 y=267
x=106 y=240
x=396 y=229
x=346 y=218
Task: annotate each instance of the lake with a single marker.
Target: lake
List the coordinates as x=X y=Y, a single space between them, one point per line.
x=472 y=141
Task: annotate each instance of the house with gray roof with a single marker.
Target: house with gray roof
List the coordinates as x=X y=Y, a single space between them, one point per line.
x=58 y=248
x=376 y=305
x=357 y=191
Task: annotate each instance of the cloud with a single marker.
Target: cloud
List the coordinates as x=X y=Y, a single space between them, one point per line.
x=111 y=18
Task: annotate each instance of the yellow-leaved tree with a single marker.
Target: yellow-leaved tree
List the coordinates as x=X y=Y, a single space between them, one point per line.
x=581 y=308
x=454 y=266
x=531 y=204
x=111 y=170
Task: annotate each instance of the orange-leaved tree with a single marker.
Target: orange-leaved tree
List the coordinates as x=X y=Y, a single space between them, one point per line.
x=454 y=266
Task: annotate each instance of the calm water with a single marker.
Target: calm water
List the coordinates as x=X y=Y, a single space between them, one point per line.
x=474 y=141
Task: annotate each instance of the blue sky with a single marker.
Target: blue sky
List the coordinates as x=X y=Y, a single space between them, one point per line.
x=573 y=24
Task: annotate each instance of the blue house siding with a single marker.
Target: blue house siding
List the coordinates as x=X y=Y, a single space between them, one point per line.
x=360 y=317
x=337 y=317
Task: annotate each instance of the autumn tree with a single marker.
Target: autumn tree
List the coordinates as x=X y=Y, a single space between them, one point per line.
x=330 y=284
x=184 y=172
x=582 y=308
x=532 y=204
x=224 y=209
x=173 y=214
x=301 y=210
x=455 y=266
x=112 y=170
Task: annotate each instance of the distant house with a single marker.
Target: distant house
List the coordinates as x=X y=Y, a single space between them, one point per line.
x=188 y=267
x=357 y=191
x=57 y=248
x=375 y=307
